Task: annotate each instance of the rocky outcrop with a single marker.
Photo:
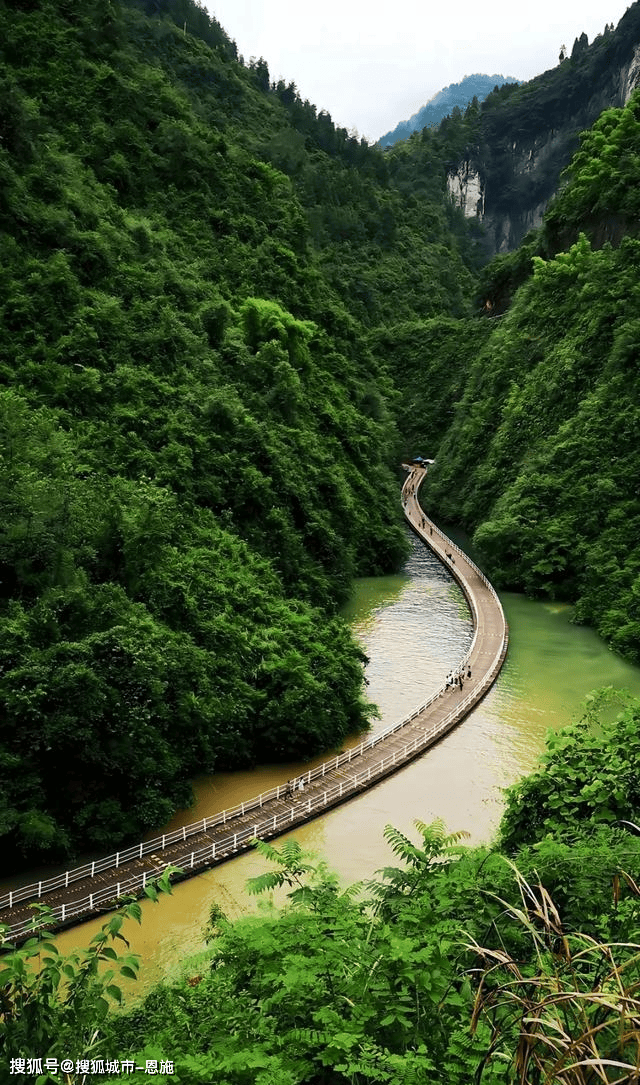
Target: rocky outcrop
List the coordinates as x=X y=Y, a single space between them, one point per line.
x=508 y=178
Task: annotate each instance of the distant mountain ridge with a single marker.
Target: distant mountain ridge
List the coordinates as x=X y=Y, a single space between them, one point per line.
x=456 y=94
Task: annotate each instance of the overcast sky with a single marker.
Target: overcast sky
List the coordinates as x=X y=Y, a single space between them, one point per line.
x=373 y=64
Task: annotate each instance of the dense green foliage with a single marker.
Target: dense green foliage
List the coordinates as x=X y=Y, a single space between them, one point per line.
x=376 y=984
x=591 y=776
x=59 y=1003
x=216 y=305
x=197 y=444
x=541 y=459
x=431 y=360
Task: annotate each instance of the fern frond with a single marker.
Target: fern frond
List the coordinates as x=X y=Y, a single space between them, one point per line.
x=268 y=851
x=400 y=844
x=265 y=882
x=290 y=853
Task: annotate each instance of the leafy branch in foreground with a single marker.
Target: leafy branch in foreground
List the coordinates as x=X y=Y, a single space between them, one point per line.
x=311 y=883
x=56 y=1003
x=571 y=1016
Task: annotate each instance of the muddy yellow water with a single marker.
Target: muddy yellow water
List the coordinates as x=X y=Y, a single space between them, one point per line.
x=414 y=627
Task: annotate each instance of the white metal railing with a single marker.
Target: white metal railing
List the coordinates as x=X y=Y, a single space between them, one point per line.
x=278 y=822
x=456 y=572
x=112 y=862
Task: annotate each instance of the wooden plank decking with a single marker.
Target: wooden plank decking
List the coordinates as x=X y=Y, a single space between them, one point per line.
x=98 y=886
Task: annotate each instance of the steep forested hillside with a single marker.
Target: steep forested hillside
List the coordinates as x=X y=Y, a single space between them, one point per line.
x=223 y=321
x=542 y=456
x=216 y=309
x=508 y=154
x=197 y=445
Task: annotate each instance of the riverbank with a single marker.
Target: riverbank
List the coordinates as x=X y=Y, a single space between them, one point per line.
x=551 y=665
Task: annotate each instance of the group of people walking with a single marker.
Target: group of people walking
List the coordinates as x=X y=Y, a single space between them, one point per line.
x=457 y=678
x=294 y=785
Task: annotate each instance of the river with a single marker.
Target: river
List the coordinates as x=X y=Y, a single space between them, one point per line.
x=413 y=626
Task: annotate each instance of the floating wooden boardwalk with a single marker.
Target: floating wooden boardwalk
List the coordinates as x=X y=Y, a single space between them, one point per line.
x=99 y=886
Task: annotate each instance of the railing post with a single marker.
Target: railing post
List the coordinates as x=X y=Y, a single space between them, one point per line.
x=63 y=911
x=255 y=831
x=341 y=789
x=140 y=856
x=10 y=899
x=39 y=889
x=184 y=832
x=90 y=902
x=117 y=859
x=144 y=879
x=66 y=879
x=93 y=869
x=163 y=840
x=325 y=798
x=118 y=890
x=261 y=800
x=275 y=819
x=235 y=841
x=291 y=818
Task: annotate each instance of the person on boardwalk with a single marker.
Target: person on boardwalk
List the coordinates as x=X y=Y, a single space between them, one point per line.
x=469 y=672
x=301 y=786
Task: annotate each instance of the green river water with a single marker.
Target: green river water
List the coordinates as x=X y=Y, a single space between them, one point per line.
x=414 y=627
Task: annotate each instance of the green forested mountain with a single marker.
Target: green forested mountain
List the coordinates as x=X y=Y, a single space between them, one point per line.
x=542 y=456
x=507 y=153
x=459 y=95
x=223 y=323
x=197 y=443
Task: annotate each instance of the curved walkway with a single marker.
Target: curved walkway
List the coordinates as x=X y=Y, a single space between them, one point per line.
x=98 y=886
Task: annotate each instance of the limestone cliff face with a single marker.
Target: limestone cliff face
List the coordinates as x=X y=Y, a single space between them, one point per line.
x=508 y=178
